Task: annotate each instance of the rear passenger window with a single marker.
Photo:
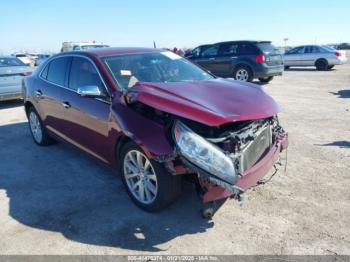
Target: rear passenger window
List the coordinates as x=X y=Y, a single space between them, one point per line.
x=57 y=70
x=83 y=73
x=308 y=50
x=228 y=49
x=247 y=49
x=315 y=50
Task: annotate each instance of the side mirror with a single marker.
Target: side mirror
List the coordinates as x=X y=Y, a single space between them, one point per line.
x=89 y=91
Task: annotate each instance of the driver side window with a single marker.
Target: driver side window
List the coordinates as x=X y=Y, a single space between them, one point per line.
x=212 y=51
x=83 y=73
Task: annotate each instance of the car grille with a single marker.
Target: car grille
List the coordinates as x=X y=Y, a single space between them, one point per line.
x=257 y=148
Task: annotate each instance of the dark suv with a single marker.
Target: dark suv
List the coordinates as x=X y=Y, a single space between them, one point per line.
x=242 y=60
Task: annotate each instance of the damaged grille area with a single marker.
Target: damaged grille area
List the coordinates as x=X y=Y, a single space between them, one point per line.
x=244 y=142
x=256 y=149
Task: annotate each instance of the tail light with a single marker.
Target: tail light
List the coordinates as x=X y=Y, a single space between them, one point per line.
x=337 y=53
x=26 y=73
x=260 y=58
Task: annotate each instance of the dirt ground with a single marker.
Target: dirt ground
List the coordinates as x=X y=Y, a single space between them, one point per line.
x=57 y=200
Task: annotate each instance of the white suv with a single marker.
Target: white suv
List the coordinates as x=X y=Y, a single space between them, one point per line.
x=78 y=46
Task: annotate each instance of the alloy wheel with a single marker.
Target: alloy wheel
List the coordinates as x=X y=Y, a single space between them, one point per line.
x=35 y=127
x=242 y=75
x=140 y=177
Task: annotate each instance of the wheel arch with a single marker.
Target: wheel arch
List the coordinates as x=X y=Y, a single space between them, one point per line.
x=321 y=59
x=243 y=64
x=28 y=105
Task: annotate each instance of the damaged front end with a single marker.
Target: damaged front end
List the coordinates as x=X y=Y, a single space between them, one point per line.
x=231 y=158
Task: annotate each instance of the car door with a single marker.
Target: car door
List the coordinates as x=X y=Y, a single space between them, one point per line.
x=317 y=52
x=48 y=93
x=294 y=57
x=86 y=119
x=227 y=56
x=311 y=54
x=207 y=58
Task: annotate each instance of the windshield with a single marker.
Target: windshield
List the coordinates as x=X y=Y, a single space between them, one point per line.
x=9 y=61
x=161 y=67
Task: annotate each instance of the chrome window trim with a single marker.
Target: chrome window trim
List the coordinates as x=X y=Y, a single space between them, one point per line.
x=64 y=87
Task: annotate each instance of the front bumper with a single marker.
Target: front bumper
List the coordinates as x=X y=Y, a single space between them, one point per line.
x=250 y=177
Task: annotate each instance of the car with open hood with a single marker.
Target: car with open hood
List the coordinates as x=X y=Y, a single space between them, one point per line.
x=158 y=119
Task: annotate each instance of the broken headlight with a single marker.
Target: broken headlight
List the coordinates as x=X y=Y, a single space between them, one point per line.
x=203 y=154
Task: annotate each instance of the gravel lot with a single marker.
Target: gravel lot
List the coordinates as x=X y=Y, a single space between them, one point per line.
x=57 y=200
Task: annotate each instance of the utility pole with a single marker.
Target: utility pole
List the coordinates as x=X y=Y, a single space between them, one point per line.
x=285 y=43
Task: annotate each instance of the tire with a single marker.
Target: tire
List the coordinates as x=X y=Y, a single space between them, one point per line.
x=243 y=73
x=330 y=67
x=37 y=129
x=265 y=79
x=321 y=64
x=156 y=188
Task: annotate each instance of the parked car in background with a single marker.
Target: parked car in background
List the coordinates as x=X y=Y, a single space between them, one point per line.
x=323 y=57
x=78 y=46
x=159 y=119
x=25 y=58
x=343 y=46
x=12 y=71
x=41 y=58
x=242 y=60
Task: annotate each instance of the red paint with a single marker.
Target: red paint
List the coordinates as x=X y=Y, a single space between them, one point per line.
x=97 y=127
x=251 y=177
x=213 y=103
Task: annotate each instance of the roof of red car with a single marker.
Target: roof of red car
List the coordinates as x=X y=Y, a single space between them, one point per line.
x=109 y=51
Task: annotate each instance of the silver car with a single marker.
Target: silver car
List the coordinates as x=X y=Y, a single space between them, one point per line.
x=12 y=71
x=323 y=57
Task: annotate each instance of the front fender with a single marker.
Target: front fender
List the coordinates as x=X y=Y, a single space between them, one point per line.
x=150 y=136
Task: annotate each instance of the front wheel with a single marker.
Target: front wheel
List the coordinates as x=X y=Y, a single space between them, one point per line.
x=148 y=183
x=265 y=79
x=243 y=73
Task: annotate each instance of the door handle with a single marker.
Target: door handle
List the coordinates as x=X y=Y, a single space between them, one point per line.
x=38 y=93
x=66 y=105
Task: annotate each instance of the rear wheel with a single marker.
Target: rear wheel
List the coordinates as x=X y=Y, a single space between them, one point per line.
x=265 y=79
x=243 y=73
x=321 y=64
x=37 y=129
x=148 y=183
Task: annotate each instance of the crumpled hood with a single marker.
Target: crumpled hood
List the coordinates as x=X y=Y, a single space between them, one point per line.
x=213 y=103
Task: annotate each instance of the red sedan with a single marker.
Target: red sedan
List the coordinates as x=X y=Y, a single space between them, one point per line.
x=158 y=119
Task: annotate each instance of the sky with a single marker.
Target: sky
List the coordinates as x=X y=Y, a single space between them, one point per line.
x=42 y=25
